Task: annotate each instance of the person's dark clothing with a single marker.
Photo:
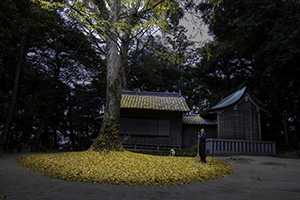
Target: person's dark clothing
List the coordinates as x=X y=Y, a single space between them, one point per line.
x=202 y=143
x=203 y=138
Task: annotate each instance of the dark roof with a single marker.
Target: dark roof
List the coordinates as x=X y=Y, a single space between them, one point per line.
x=154 y=101
x=231 y=99
x=197 y=119
x=234 y=98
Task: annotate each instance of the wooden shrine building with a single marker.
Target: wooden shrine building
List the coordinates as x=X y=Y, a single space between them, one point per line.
x=152 y=119
x=161 y=120
x=238 y=128
x=238 y=116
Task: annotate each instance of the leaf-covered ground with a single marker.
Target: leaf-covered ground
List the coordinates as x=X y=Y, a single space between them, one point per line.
x=125 y=168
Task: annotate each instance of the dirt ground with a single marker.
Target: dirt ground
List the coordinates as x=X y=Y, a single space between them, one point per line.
x=255 y=177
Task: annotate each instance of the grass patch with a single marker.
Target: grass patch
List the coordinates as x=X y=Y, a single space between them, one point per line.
x=125 y=168
x=240 y=160
x=272 y=164
x=293 y=153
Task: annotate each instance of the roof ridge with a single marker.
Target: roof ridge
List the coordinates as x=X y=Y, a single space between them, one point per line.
x=146 y=93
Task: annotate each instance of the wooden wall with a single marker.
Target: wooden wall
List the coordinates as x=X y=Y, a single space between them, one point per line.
x=241 y=122
x=142 y=128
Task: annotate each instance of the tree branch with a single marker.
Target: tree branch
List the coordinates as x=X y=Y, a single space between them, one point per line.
x=101 y=6
x=142 y=12
x=91 y=23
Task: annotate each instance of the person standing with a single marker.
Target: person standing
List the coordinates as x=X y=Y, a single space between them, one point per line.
x=202 y=144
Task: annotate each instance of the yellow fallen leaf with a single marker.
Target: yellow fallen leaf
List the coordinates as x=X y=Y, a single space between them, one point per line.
x=125 y=168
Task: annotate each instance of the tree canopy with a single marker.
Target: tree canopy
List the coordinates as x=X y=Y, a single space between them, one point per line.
x=114 y=23
x=62 y=63
x=56 y=55
x=258 y=41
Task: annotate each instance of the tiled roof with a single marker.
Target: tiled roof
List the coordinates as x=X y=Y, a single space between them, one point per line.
x=197 y=119
x=154 y=101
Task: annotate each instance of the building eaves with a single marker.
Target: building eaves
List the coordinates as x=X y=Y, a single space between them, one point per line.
x=197 y=120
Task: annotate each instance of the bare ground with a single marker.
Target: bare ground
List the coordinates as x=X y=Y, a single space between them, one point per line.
x=255 y=177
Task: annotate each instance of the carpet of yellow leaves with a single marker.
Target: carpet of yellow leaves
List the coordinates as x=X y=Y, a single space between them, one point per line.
x=125 y=168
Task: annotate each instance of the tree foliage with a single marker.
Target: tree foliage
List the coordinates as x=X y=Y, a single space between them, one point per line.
x=77 y=59
x=114 y=23
x=259 y=39
x=56 y=57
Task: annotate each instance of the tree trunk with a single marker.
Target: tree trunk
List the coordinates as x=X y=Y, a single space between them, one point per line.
x=36 y=139
x=123 y=57
x=4 y=135
x=285 y=130
x=125 y=45
x=49 y=109
x=108 y=139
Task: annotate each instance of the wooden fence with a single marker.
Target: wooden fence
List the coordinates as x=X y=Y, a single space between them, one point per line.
x=222 y=146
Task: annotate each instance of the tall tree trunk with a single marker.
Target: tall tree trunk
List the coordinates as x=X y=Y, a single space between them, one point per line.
x=36 y=139
x=123 y=57
x=125 y=45
x=4 y=135
x=109 y=139
x=1 y=71
x=51 y=101
x=285 y=130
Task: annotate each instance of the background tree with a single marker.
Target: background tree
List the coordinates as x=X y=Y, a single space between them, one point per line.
x=259 y=38
x=68 y=56
x=55 y=56
x=19 y=30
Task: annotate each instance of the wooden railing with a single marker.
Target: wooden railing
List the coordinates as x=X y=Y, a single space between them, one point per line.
x=222 y=146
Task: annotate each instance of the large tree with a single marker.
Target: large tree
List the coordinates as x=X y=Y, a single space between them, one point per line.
x=114 y=23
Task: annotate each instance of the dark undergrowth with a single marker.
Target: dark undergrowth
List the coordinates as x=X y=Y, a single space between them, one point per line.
x=181 y=153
